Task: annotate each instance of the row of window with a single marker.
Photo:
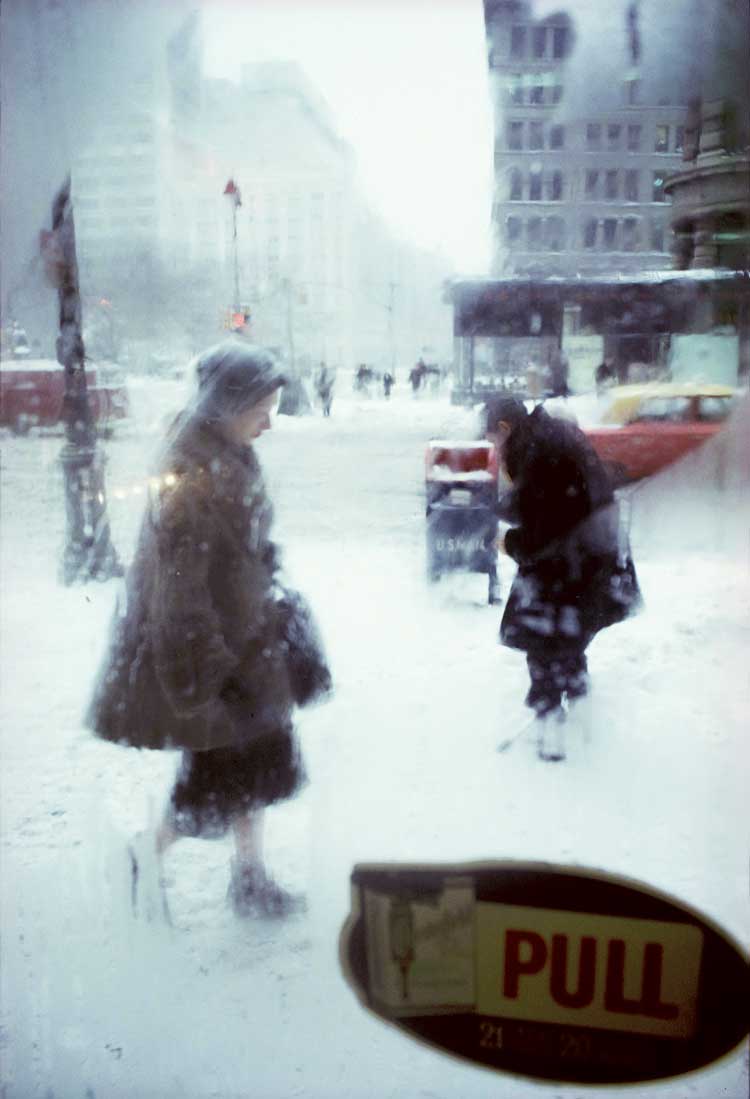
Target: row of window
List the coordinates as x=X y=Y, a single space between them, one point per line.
x=537 y=89
x=535 y=43
x=605 y=234
x=612 y=184
x=531 y=135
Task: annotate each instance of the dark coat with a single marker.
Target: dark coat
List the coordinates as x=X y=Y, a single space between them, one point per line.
x=575 y=574
x=194 y=661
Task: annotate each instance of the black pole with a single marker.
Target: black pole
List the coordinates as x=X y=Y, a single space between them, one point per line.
x=88 y=553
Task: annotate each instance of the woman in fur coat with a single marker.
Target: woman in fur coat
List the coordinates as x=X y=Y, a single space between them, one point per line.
x=195 y=659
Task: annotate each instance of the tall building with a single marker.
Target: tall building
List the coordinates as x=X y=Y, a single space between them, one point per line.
x=587 y=127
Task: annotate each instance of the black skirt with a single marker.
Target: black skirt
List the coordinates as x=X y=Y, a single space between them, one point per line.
x=215 y=787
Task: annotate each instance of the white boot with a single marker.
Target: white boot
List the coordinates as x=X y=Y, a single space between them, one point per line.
x=551 y=735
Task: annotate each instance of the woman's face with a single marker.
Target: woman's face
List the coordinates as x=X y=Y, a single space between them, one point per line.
x=250 y=424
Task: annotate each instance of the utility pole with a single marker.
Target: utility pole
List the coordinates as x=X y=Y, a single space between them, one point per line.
x=88 y=553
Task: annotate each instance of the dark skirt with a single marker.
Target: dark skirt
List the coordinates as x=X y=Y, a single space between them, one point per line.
x=215 y=787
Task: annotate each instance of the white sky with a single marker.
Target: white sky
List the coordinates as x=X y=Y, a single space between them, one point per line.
x=407 y=84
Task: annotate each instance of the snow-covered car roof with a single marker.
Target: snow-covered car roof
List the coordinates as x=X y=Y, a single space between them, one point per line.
x=625 y=400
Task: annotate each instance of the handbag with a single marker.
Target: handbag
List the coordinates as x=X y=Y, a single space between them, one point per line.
x=302 y=647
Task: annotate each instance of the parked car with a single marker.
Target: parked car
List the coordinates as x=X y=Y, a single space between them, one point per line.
x=647 y=427
x=31 y=395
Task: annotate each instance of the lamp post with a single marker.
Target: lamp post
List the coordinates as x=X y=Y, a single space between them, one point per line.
x=89 y=553
x=232 y=192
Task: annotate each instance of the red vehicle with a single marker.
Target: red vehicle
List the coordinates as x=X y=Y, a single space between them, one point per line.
x=647 y=427
x=32 y=391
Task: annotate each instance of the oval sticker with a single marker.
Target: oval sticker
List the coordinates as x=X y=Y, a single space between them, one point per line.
x=545 y=971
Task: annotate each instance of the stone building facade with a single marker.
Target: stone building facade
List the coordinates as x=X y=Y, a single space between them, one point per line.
x=579 y=179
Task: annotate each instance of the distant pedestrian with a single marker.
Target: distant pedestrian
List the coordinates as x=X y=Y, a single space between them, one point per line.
x=575 y=573
x=199 y=657
x=324 y=384
x=387 y=384
x=605 y=375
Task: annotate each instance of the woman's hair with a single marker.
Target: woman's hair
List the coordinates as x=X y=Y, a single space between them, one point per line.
x=510 y=410
x=232 y=377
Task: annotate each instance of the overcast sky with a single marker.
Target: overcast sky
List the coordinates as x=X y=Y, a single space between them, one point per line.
x=406 y=81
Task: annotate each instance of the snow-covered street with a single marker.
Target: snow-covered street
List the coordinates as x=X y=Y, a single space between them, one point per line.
x=402 y=766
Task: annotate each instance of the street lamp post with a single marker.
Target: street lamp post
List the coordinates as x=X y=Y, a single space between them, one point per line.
x=232 y=191
x=89 y=553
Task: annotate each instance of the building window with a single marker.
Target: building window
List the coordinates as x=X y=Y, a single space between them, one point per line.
x=554 y=234
x=632 y=89
x=610 y=184
x=657 y=236
x=540 y=41
x=630 y=234
x=661 y=142
x=537 y=94
x=614 y=131
x=592 y=183
x=610 y=234
x=534 y=234
x=535 y=186
x=515 y=135
x=679 y=138
x=589 y=233
x=593 y=135
x=631 y=185
x=555 y=187
x=516 y=88
x=657 y=189
x=516 y=185
x=634 y=138
x=559 y=41
x=557 y=93
x=518 y=42
x=557 y=137
x=536 y=135
x=512 y=230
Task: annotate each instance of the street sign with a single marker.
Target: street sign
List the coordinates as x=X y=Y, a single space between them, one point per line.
x=551 y=972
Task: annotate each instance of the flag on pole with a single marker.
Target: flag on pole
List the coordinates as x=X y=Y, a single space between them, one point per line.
x=233 y=191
